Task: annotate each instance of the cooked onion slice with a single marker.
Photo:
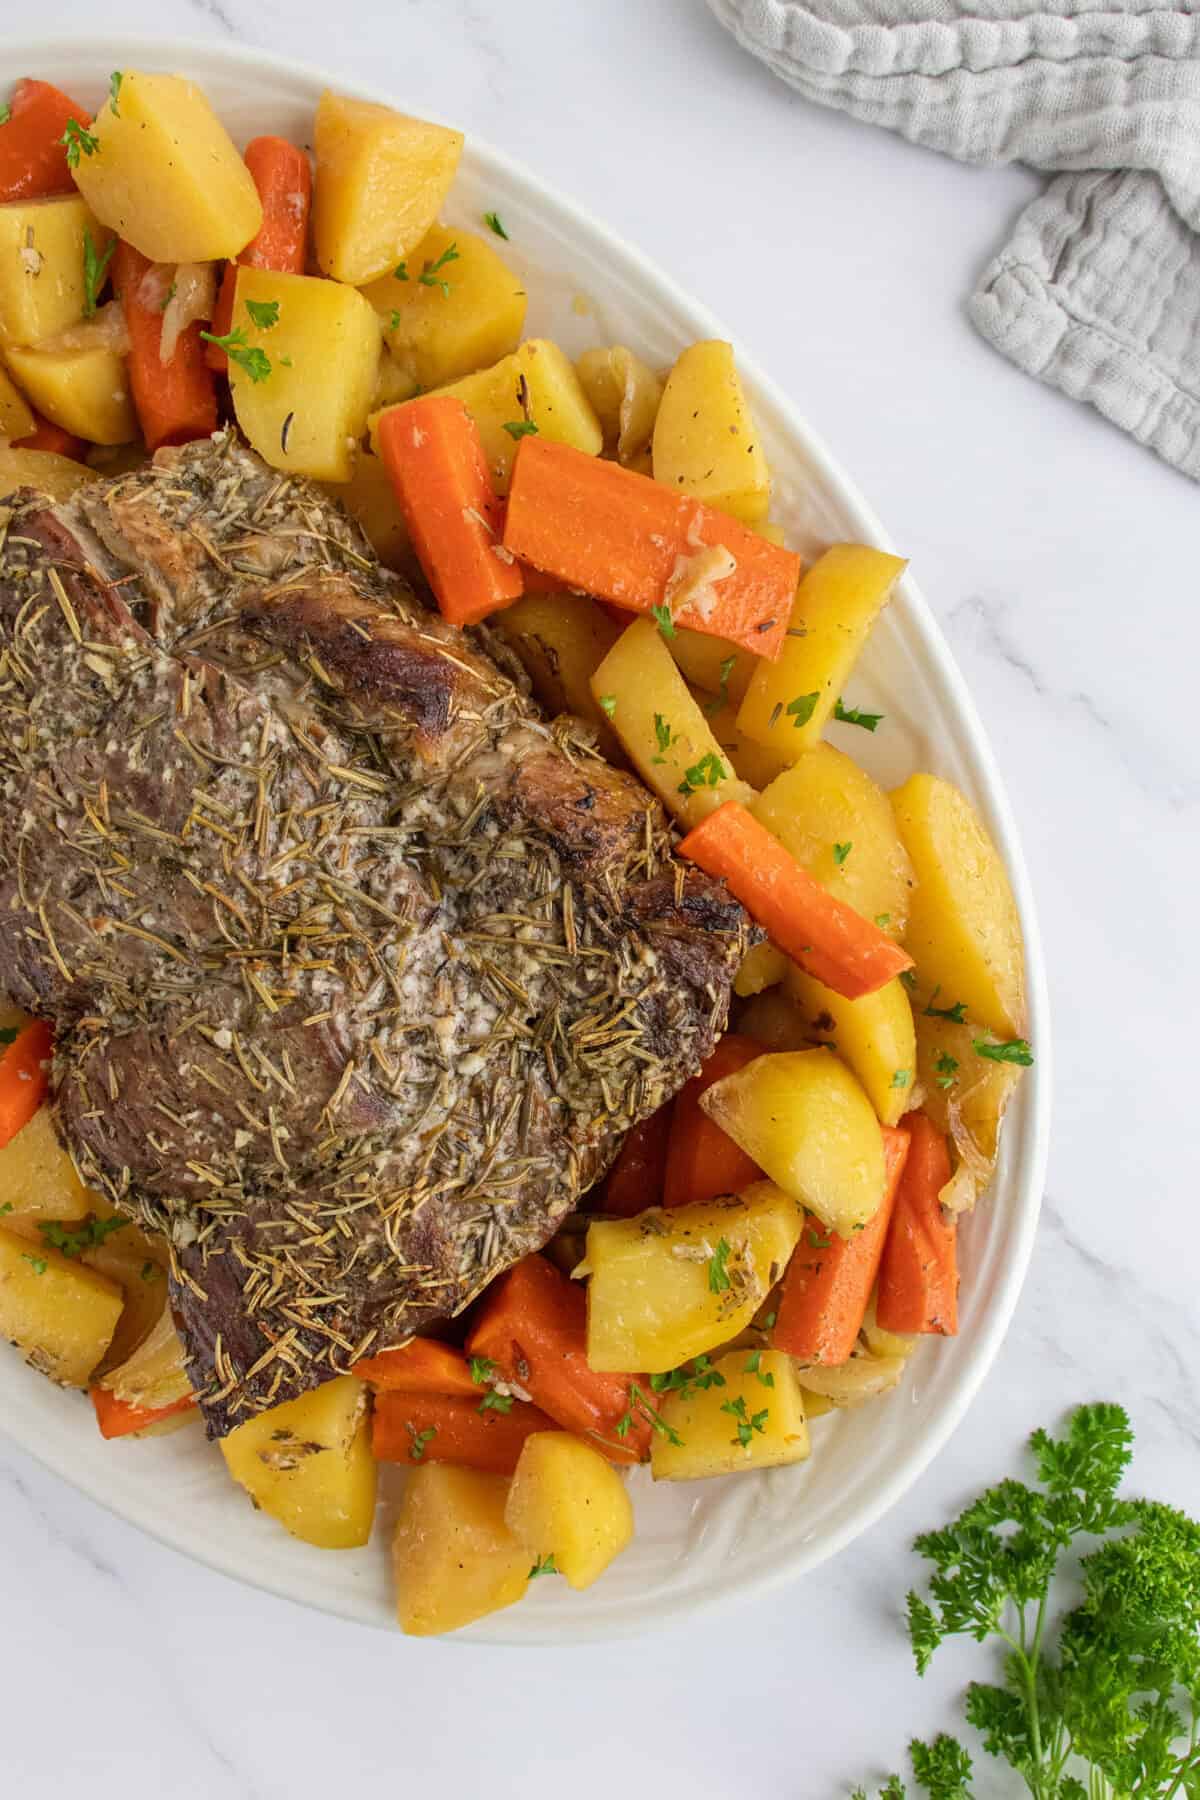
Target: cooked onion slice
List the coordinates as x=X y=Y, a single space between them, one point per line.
x=105 y=330
x=194 y=297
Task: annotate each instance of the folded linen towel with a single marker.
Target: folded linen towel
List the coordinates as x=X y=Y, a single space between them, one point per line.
x=1098 y=291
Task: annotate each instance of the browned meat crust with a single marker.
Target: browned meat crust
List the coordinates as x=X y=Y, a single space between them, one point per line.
x=359 y=968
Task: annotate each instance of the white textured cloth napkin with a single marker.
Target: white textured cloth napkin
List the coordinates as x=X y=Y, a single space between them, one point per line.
x=1099 y=290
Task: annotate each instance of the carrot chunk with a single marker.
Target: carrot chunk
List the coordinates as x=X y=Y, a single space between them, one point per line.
x=24 y=1077
x=283 y=177
x=408 y=1428
x=176 y=401
x=702 y=1160
x=422 y=1366
x=118 y=1418
x=33 y=157
x=635 y=1180
x=918 y=1276
x=47 y=436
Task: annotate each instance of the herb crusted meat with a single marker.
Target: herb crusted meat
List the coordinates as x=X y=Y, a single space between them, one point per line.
x=359 y=968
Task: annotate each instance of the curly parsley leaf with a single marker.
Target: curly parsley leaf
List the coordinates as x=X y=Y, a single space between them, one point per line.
x=95 y=270
x=662 y=617
x=1016 y=1051
x=114 y=90
x=801 y=709
x=264 y=313
x=494 y=223
x=957 y=1014
x=946 y=1067
x=89 y=1236
x=429 y=276
x=718 y=1273
x=254 y=361
x=545 y=1565
x=519 y=428
x=708 y=772
x=850 y=715
x=420 y=1441
x=78 y=141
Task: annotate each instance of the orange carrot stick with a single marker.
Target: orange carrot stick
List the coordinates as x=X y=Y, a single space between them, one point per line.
x=532 y=1323
x=433 y=455
x=33 y=157
x=635 y=1180
x=702 y=1160
x=409 y=1428
x=46 y=436
x=176 y=401
x=829 y=1278
x=118 y=1418
x=825 y=936
x=422 y=1366
x=918 y=1276
x=625 y=538
x=24 y=1077
x=283 y=177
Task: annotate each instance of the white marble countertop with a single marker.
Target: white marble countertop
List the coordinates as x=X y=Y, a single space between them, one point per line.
x=1062 y=562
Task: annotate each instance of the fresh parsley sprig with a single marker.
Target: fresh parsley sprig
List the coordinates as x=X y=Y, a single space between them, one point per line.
x=249 y=357
x=78 y=141
x=1111 y=1709
x=95 y=270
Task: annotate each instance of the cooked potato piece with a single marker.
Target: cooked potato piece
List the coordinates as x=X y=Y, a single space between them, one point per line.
x=963 y=930
x=165 y=174
x=865 y=1377
x=60 y=1315
x=465 y=316
x=454 y=1558
x=491 y=399
x=790 y=701
x=392 y=383
x=308 y=1463
x=873 y=1036
x=154 y=1375
x=713 y=663
x=761 y=968
x=369 y=497
x=806 y=1122
x=553 y=397
x=57 y=476
x=666 y=1286
x=16 y=415
x=662 y=729
x=624 y=395
x=885 y=1343
x=839 y=826
x=705 y=440
x=562 y=640
x=37 y=1177
x=751 y=1417
x=568 y=1502
x=774 y=1019
x=84 y=391
x=381 y=179
x=308 y=413
x=754 y=764
x=965 y=1094
x=41 y=268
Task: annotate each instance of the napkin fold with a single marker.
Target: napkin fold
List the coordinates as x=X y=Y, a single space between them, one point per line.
x=1098 y=291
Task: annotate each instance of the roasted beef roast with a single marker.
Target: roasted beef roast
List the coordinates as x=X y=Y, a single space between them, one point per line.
x=359 y=967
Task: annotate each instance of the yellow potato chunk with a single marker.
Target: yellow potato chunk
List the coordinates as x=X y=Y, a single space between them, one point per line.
x=965 y=1094
x=789 y=702
x=308 y=1463
x=662 y=729
x=713 y=663
x=491 y=398
x=705 y=440
x=885 y=1343
x=37 y=1177
x=41 y=267
x=568 y=1502
x=562 y=639
x=754 y=764
x=750 y=1417
x=823 y=804
x=873 y=1036
x=454 y=1558
x=58 y=476
x=60 y=1315
x=624 y=395
x=308 y=411
x=806 y=1122
x=666 y=1286
x=458 y=307
x=773 y=1019
x=16 y=416
x=84 y=391
x=166 y=175
x=369 y=497
x=963 y=930
x=380 y=182
x=392 y=383
x=553 y=397
x=760 y=968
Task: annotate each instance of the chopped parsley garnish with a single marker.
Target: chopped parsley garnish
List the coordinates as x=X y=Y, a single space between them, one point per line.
x=639 y=1403
x=400 y=272
x=801 y=709
x=841 y=852
x=901 y=1077
x=90 y=1235
x=95 y=269
x=254 y=361
x=687 y=1379
x=40 y=1265
x=818 y=1242
x=662 y=616
x=909 y=978
x=882 y=919
x=708 y=772
x=394 y=321
x=420 y=1440
x=721 y=697
x=429 y=276
x=753 y=1367
x=5 y=113
x=850 y=715
x=482 y=1370
x=608 y=703
x=946 y=1067
x=543 y=1566
x=1015 y=1051
x=501 y=1403
x=519 y=428
x=768 y=1323
x=718 y=1273
x=663 y=735
x=78 y=141
x=6 y=1208
x=264 y=313
x=747 y=1424
x=494 y=223
x=957 y=1014
x=114 y=90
